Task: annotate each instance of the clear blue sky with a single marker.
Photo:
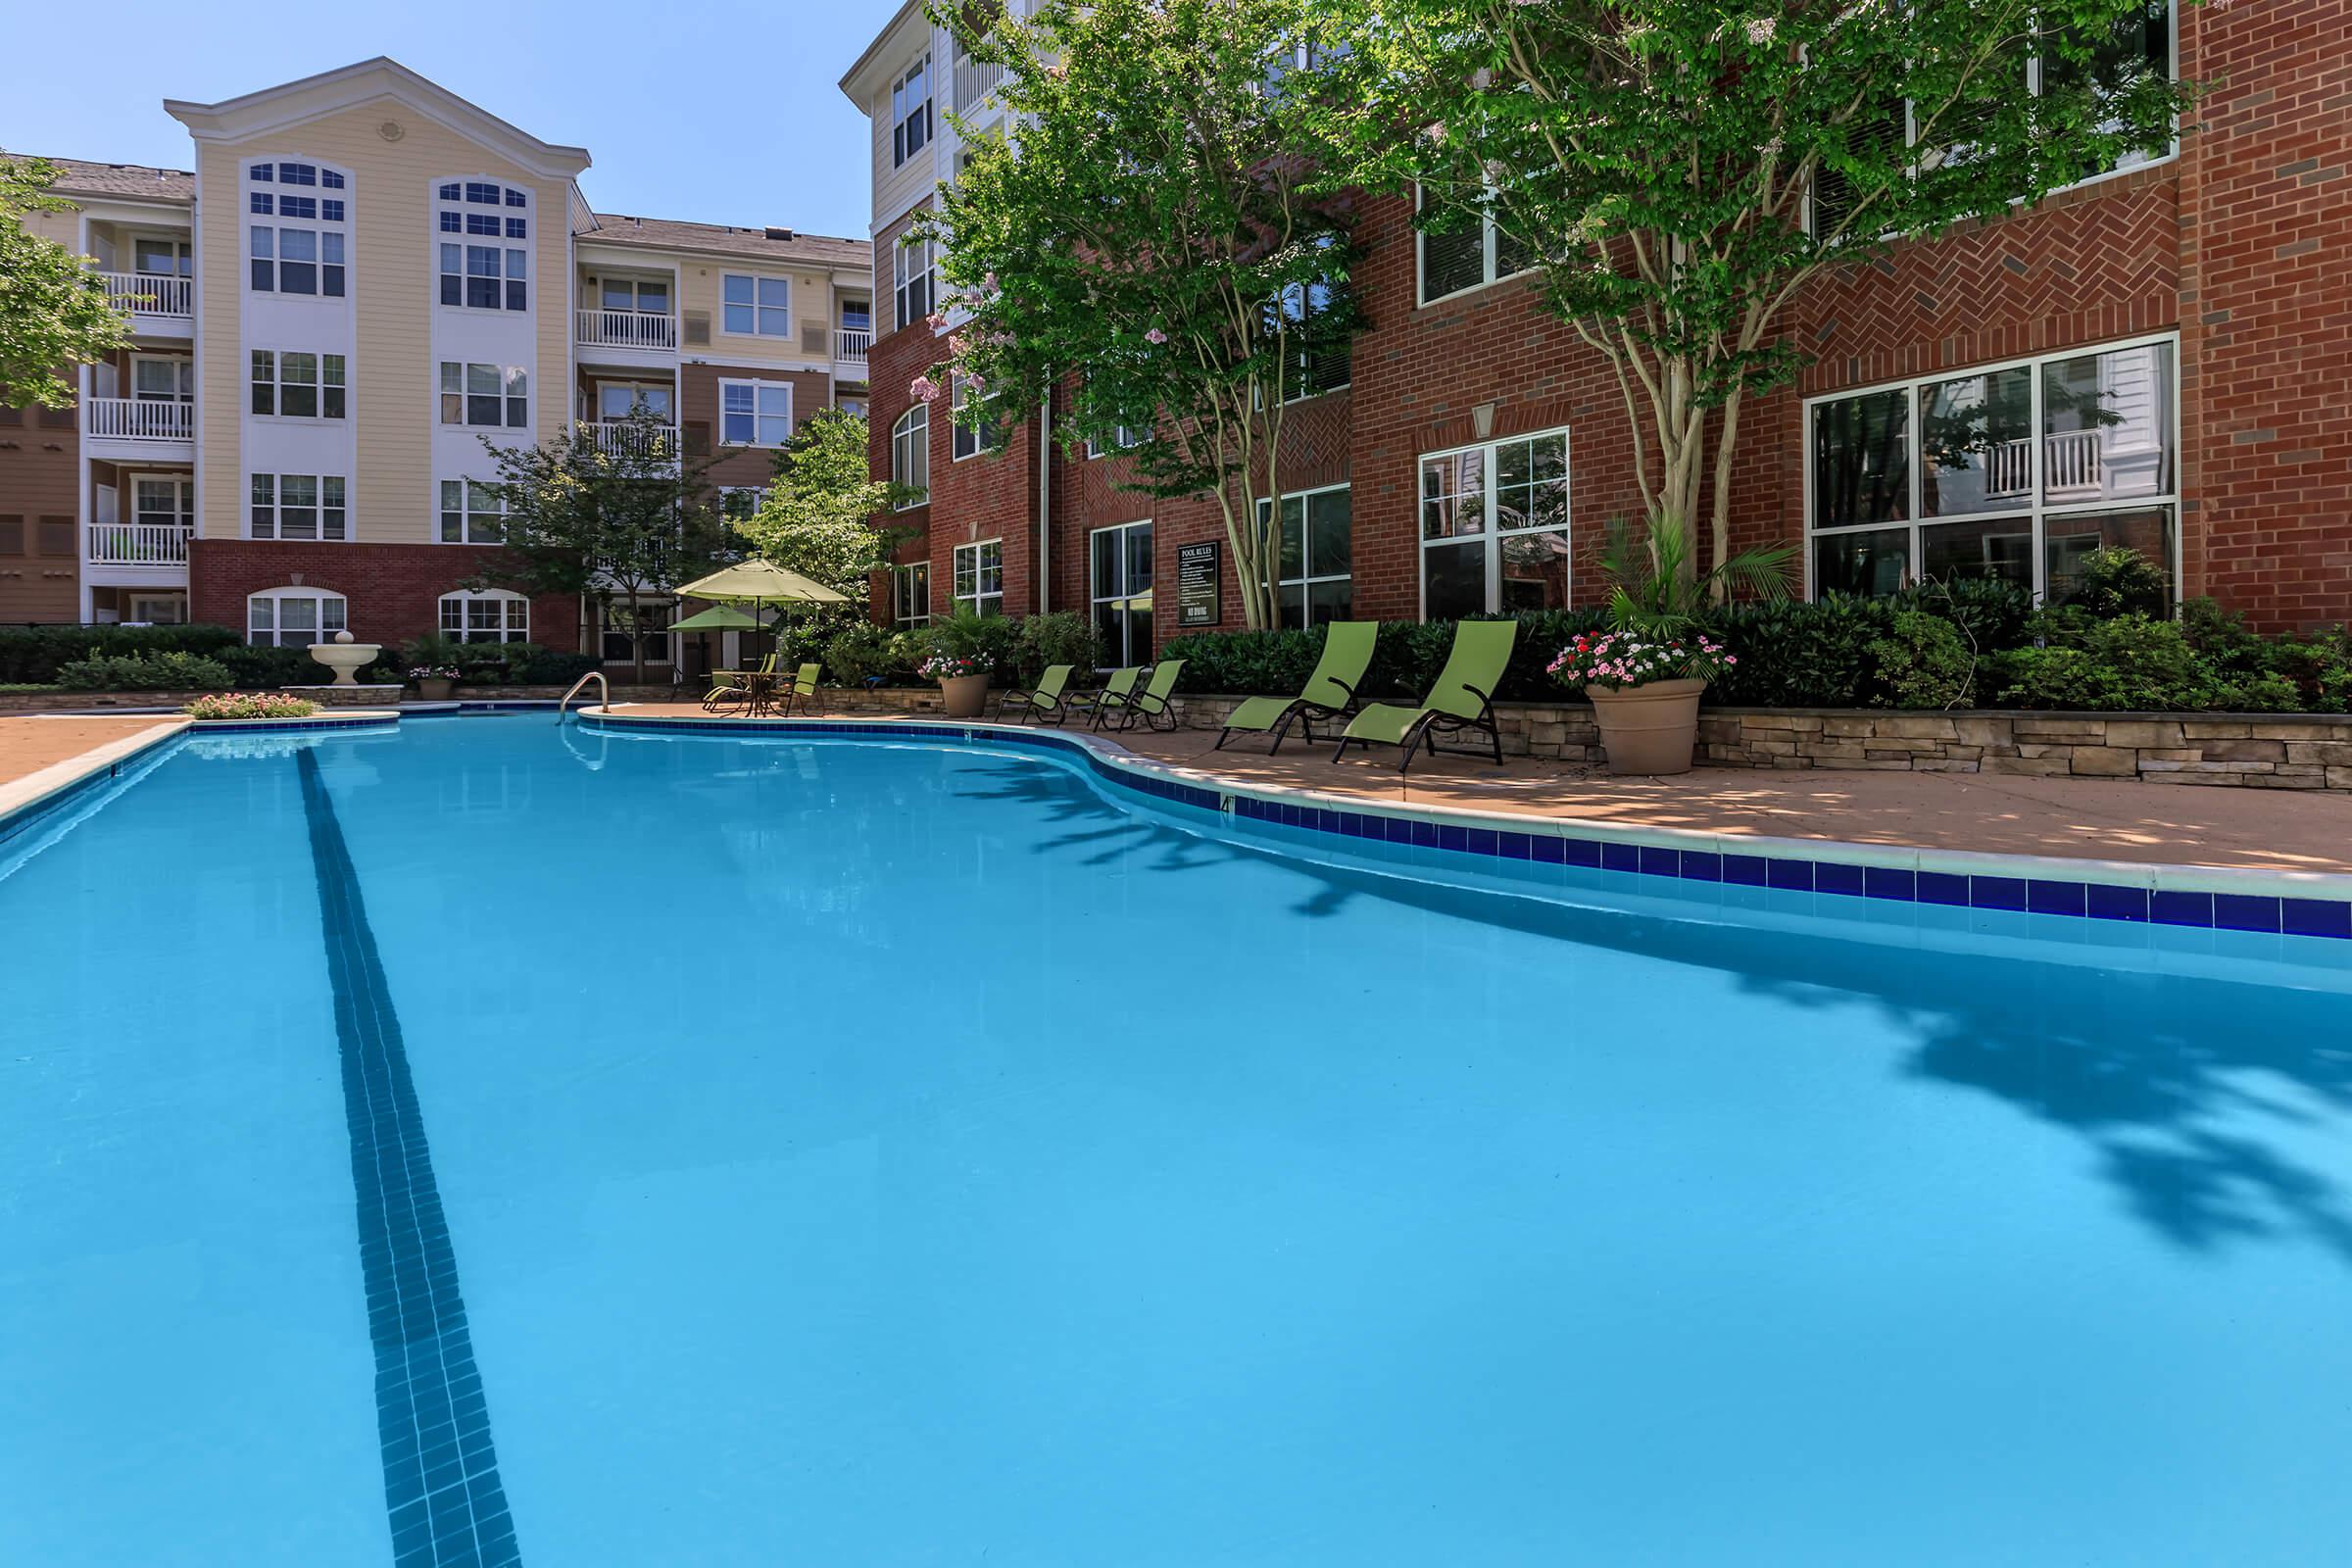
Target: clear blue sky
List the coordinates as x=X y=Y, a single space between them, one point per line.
x=718 y=113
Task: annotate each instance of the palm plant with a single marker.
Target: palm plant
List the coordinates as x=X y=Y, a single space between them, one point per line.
x=1657 y=589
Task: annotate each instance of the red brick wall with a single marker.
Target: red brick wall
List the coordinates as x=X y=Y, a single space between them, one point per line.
x=394 y=590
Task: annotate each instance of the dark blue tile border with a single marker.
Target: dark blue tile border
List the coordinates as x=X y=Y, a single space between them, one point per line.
x=2096 y=900
x=441 y=1482
x=32 y=813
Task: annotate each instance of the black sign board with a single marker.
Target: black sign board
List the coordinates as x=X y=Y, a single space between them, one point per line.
x=1196 y=603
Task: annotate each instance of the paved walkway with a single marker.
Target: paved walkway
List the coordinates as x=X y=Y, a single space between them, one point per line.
x=2278 y=830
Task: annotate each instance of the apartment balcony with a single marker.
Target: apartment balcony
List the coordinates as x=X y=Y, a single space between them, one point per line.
x=156 y=429
x=849 y=346
x=155 y=546
x=633 y=440
x=159 y=304
x=629 y=338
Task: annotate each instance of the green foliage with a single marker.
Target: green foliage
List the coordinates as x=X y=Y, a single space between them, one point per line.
x=1923 y=663
x=145 y=672
x=816 y=518
x=2118 y=580
x=861 y=650
x=1405 y=659
x=259 y=668
x=2131 y=662
x=54 y=311
x=964 y=634
x=1159 y=240
x=1655 y=586
x=1062 y=637
x=492 y=664
x=250 y=704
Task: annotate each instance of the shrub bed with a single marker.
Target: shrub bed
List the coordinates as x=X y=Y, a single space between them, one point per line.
x=250 y=704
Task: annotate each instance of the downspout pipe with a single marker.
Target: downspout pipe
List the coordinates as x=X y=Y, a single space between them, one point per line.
x=1045 y=501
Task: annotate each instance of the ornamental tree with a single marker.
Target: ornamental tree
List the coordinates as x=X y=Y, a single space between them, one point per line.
x=816 y=518
x=1678 y=171
x=54 y=311
x=619 y=519
x=1156 y=236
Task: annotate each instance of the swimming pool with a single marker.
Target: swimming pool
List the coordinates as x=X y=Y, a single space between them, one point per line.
x=566 y=1148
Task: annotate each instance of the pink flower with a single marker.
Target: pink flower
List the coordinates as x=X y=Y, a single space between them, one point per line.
x=935 y=322
x=923 y=389
x=1155 y=335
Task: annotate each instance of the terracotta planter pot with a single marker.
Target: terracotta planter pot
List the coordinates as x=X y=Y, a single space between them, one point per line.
x=1648 y=729
x=436 y=690
x=966 y=695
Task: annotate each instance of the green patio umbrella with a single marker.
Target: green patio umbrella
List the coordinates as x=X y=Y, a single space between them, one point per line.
x=758 y=582
x=718 y=617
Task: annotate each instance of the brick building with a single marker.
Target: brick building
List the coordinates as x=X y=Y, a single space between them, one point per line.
x=362 y=277
x=2158 y=354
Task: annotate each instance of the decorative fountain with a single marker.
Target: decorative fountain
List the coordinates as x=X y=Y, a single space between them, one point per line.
x=345 y=657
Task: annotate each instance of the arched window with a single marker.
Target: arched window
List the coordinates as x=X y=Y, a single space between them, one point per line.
x=483 y=229
x=298 y=228
x=911 y=455
x=294 y=617
x=489 y=615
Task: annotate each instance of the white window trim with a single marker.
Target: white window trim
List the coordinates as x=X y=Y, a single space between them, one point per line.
x=1127 y=438
x=918 y=438
x=465 y=395
x=2035 y=510
x=466 y=513
x=248 y=221
x=901 y=250
x=278 y=508
x=436 y=237
x=901 y=578
x=279 y=385
x=1489 y=236
x=975 y=596
x=472 y=596
x=959 y=385
x=900 y=154
x=755 y=444
x=183 y=496
x=1306 y=539
x=791 y=334
x=276 y=596
x=1492 y=536
x=1095 y=598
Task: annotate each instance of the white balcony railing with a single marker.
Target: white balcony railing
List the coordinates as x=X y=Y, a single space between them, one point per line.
x=850 y=343
x=2070 y=460
x=150 y=293
x=2009 y=468
x=138 y=419
x=138 y=544
x=633 y=440
x=974 y=81
x=628 y=329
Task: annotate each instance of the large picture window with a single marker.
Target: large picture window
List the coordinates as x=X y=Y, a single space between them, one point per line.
x=294 y=617
x=980 y=578
x=1317 y=582
x=490 y=616
x=1495 y=527
x=299 y=506
x=301 y=249
x=1119 y=576
x=754 y=414
x=2015 y=472
x=910 y=456
x=484 y=230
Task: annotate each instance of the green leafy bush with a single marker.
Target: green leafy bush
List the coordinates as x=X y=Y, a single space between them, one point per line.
x=145 y=672
x=861 y=650
x=1062 y=637
x=1923 y=663
x=2118 y=580
x=33 y=654
x=2133 y=663
x=528 y=665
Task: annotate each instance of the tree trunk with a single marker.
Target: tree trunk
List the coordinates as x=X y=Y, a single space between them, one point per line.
x=1720 y=535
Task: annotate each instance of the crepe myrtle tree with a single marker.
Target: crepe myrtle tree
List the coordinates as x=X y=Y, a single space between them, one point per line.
x=618 y=518
x=816 y=516
x=54 y=311
x=1678 y=171
x=1158 y=238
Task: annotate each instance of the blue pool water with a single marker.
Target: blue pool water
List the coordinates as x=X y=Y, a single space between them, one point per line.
x=492 y=1142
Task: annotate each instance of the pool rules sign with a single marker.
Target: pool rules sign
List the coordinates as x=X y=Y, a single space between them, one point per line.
x=1197 y=583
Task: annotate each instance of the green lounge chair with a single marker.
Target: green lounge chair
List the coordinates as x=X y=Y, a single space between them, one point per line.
x=1463 y=697
x=1115 y=691
x=1150 y=704
x=731 y=688
x=1330 y=691
x=1042 y=701
x=801 y=688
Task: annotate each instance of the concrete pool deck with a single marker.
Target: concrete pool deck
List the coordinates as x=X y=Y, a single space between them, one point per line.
x=2243 y=830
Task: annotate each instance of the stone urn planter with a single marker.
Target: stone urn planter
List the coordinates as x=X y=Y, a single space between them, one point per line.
x=966 y=695
x=1648 y=729
x=345 y=657
x=436 y=688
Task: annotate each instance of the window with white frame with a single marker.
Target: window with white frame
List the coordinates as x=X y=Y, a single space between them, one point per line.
x=754 y=414
x=163 y=501
x=1316 y=582
x=1495 y=527
x=980 y=578
x=910 y=263
x=970 y=436
x=910 y=595
x=2015 y=472
x=752 y=305
x=910 y=456
x=1126 y=436
x=910 y=112
x=163 y=378
x=296 y=384
x=486 y=616
x=617 y=400
x=1469 y=255
x=484 y=229
x=637 y=296
x=299 y=506
x=302 y=250
x=850 y=405
x=487 y=396
x=294 y=617
x=623 y=625
x=471 y=514
x=1316 y=357
x=737 y=502
x=1118 y=579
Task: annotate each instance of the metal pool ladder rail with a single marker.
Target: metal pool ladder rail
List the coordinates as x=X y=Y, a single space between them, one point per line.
x=596 y=676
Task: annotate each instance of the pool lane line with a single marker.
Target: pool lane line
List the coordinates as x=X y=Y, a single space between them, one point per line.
x=441 y=1482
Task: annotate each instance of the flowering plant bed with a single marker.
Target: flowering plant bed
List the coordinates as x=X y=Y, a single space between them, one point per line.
x=954 y=666
x=425 y=672
x=250 y=704
x=1621 y=660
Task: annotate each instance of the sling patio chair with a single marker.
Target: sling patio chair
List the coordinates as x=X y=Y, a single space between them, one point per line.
x=1149 y=704
x=1115 y=691
x=802 y=689
x=1329 y=694
x=732 y=688
x=1462 y=699
x=1042 y=701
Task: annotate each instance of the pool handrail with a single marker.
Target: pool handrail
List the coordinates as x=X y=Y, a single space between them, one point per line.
x=596 y=676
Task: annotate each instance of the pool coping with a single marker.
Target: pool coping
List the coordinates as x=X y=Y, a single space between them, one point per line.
x=46 y=790
x=2145 y=893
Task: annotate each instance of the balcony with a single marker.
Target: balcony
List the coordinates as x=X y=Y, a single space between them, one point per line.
x=153 y=300
x=632 y=440
x=850 y=345
x=138 y=544
x=639 y=330
x=138 y=426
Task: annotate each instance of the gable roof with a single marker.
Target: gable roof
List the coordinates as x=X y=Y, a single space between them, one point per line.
x=78 y=177
x=726 y=239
